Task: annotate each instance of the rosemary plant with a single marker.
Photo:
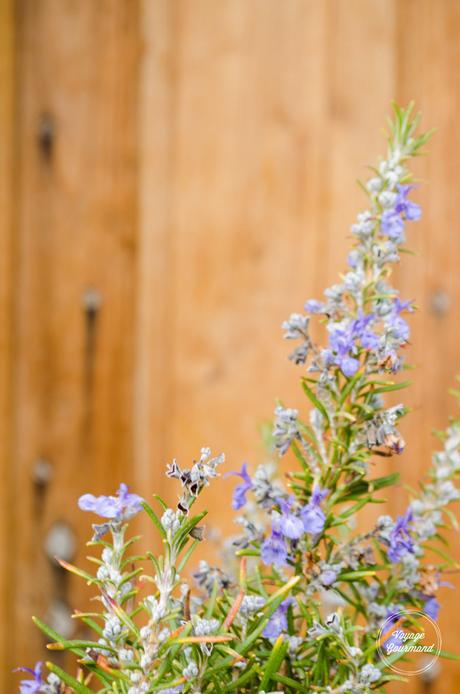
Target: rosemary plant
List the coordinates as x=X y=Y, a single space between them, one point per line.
x=304 y=610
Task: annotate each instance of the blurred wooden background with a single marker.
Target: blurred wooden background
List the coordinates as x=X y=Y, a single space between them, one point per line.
x=176 y=177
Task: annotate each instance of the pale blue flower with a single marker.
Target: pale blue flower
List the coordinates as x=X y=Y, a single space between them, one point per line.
x=394 y=641
x=273 y=550
x=118 y=508
x=296 y=326
x=349 y=366
x=312 y=515
x=369 y=674
x=431 y=607
x=400 y=541
x=328 y=575
x=239 y=493
x=288 y=523
x=392 y=220
x=314 y=306
x=34 y=685
x=345 y=339
x=392 y=225
x=395 y=323
x=277 y=624
x=392 y=615
x=409 y=209
x=360 y=330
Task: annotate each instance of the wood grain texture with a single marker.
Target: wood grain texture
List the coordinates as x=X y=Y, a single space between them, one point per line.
x=73 y=390
x=200 y=176
x=427 y=71
x=154 y=274
x=7 y=255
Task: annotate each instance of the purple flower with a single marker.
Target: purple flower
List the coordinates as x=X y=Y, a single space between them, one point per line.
x=118 y=508
x=34 y=685
x=312 y=515
x=409 y=209
x=273 y=549
x=296 y=326
x=393 y=642
x=392 y=221
x=390 y=360
x=396 y=323
x=328 y=577
x=239 y=493
x=277 y=623
x=392 y=225
x=288 y=523
x=360 y=330
x=392 y=617
x=431 y=607
x=349 y=366
x=314 y=306
x=400 y=540
x=352 y=259
x=341 y=343
x=341 y=340
x=399 y=327
x=400 y=306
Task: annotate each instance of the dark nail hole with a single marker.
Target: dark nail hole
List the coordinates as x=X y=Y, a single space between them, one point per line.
x=42 y=473
x=46 y=135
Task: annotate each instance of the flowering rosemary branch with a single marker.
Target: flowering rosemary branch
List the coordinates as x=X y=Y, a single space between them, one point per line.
x=304 y=611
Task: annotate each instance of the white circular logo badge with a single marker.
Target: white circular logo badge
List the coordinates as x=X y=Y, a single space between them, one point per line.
x=409 y=642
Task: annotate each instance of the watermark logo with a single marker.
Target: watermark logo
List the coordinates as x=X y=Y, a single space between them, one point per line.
x=409 y=642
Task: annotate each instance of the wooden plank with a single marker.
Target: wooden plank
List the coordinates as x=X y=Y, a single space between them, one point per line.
x=428 y=62
x=358 y=102
x=268 y=136
x=75 y=293
x=254 y=119
x=158 y=22
x=7 y=268
x=245 y=191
